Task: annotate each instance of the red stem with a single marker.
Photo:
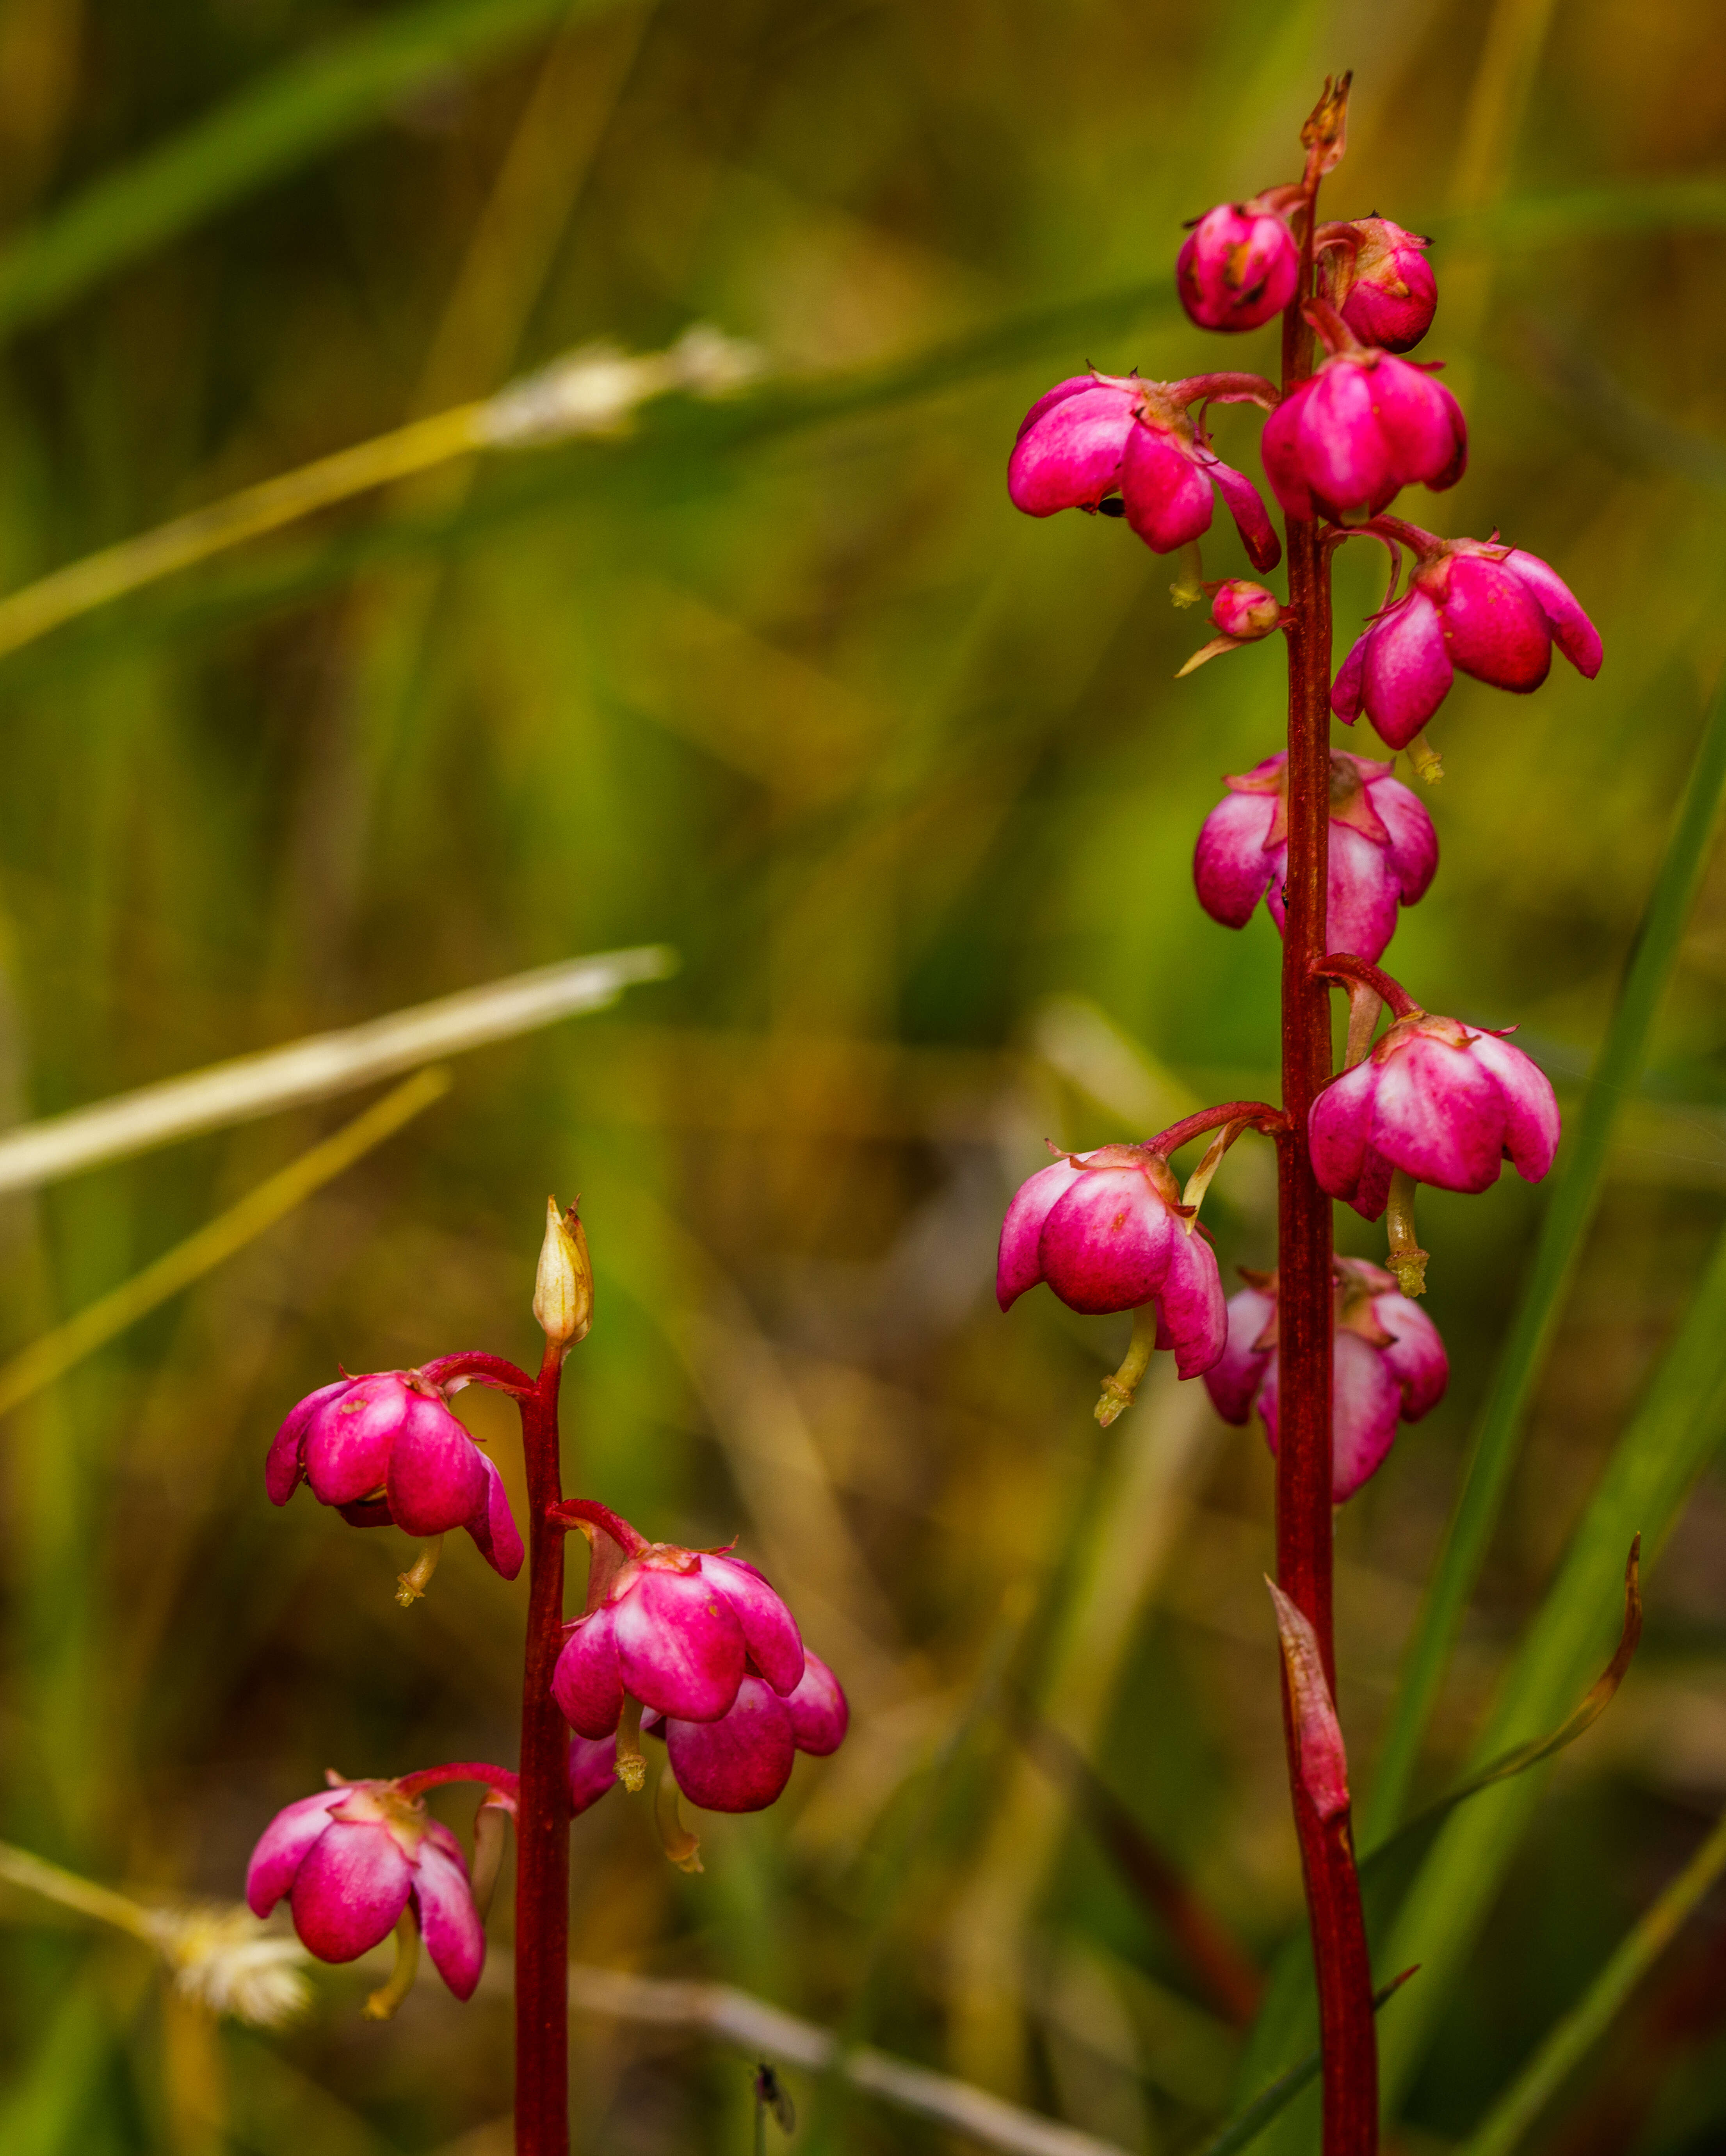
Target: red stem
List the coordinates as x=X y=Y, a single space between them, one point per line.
x=1259 y=1113
x=543 y=1815
x=1341 y=1964
x=1345 y=966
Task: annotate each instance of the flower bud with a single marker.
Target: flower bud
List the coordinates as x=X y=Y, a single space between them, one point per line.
x=1246 y=611
x=1319 y=1735
x=1239 y=267
x=563 y=1286
x=1387 y=295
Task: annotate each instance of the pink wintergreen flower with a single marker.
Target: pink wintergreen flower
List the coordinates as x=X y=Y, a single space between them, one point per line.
x=351 y=1859
x=1383 y=851
x=593 y=1769
x=1493 y=611
x=741 y=1762
x=1106 y=1231
x=1443 y=1102
x=1238 y=267
x=1379 y=280
x=1388 y=1364
x=674 y=1630
x=1095 y=435
x=385 y=1449
x=1364 y=425
x=1244 y=612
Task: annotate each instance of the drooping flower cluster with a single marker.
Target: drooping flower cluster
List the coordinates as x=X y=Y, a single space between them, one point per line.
x=1388 y=1364
x=1435 y=1101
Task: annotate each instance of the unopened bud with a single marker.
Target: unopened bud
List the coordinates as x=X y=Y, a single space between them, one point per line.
x=1245 y=611
x=563 y=1286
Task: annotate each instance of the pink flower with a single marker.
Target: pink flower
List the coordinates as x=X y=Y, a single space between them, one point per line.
x=385 y=1448
x=1106 y=1231
x=1491 y=610
x=1383 y=284
x=1237 y=268
x=1095 y=435
x=1383 y=851
x=741 y=1762
x=593 y=1769
x=1443 y=1102
x=1388 y=1364
x=1366 y=424
x=678 y=1630
x=1245 y=611
x=351 y=1859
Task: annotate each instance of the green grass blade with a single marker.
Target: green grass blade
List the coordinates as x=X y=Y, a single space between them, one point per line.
x=1674 y=1435
x=299 y=110
x=1571 y=2041
x=1616 y=1071
x=1244 y=2128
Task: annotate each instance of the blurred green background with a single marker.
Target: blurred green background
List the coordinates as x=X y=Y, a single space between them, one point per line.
x=780 y=680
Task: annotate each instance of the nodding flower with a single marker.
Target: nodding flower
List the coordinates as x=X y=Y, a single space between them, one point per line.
x=1493 y=611
x=352 y=1860
x=1383 y=851
x=1097 y=437
x=1365 y=425
x=675 y=1632
x=1388 y=1364
x=1443 y=1102
x=385 y=1450
x=1238 y=267
x=1106 y=1231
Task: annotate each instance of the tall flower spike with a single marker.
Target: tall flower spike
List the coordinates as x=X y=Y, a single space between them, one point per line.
x=1493 y=611
x=1388 y=1364
x=1364 y=425
x=385 y=1450
x=1444 y=1103
x=352 y=1861
x=1383 y=851
x=1097 y=435
x=1107 y=1231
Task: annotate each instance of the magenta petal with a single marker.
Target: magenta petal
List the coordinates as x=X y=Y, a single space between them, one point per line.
x=1167 y=497
x=1422 y=425
x=1339 y=1128
x=1280 y=452
x=1437 y=1114
x=1230 y=866
x=492 y=1525
x=1233 y=1381
x=448 y=1922
x=348 y=1439
x=1360 y=910
x=770 y=1635
x=1365 y=1400
x=592 y=1770
x=740 y=1763
x=282 y=1847
x=587 y=1683
x=1575 y=634
x=1494 y=626
x=1413 y=855
x=819 y=1712
x=680 y=1647
x=1406 y=674
x=1192 y=1315
x=1531 y=1108
x=1018 y=1266
x=1372 y=1192
x=282 y=1469
x=351 y=1887
x=1345 y=692
x=1240 y=497
x=436 y=1477
x=1068 y=453
x=1342 y=444
x=1105 y=1243
x=1415 y=1356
